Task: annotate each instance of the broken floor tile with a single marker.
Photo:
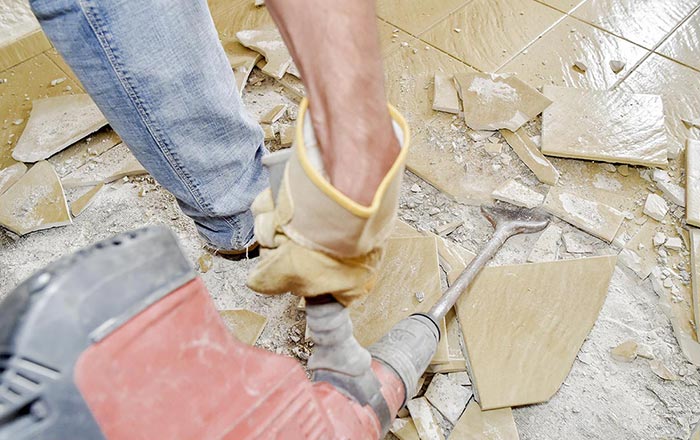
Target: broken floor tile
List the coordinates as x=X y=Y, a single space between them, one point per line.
x=674 y=243
x=82 y=202
x=448 y=228
x=609 y=126
x=112 y=165
x=617 y=66
x=662 y=370
x=270 y=44
x=593 y=217
x=245 y=325
x=56 y=123
x=546 y=247
x=461 y=378
x=655 y=207
x=492 y=101
x=531 y=156
x=448 y=397
x=695 y=272
x=574 y=243
x=524 y=324
x=268 y=131
x=82 y=151
x=36 y=201
x=422 y=415
x=242 y=61
x=10 y=175
x=518 y=194
x=272 y=115
x=475 y=424
x=452 y=366
x=445 y=98
x=625 y=352
x=639 y=254
x=692 y=185
x=205 y=262
x=673 y=192
x=404 y=429
x=287 y=135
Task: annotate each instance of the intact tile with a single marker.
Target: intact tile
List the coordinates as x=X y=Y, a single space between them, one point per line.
x=645 y=23
x=492 y=101
x=546 y=247
x=415 y=16
x=10 y=175
x=231 y=16
x=475 y=424
x=270 y=44
x=272 y=115
x=491 y=31
x=245 y=325
x=607 y=126
x=531 y=156
x=566 y=6
x=54 y=124
x=448 y=397
x=549 y=60
x=391 y=38
x=683 y=43
x=426 y=425
x=518 y=194
x=114 y=164
x=404 y=429
x=20 y=35
x=692 y=185
x=523 y=326
x=82 y=202
x=445 y=97
x=591 y=216
x=36 y=201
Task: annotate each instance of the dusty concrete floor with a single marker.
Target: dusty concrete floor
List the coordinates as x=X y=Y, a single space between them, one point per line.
x=601 y=398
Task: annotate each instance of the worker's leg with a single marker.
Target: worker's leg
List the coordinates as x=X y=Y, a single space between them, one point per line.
x=157 y=71
x=335 y=44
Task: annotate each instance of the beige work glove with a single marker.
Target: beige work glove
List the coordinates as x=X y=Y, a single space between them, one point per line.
x=315 y=240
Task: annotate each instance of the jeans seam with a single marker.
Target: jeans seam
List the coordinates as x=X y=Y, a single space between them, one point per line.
x=93 y=21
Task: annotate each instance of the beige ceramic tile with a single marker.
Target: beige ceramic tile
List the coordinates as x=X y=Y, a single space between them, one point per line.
x=591 y=216
x=426 y=425
x=639 y=253
x=563 y=5
x=661 y=76
x=453 y=258
x=609 y=126
x=683 y=44
x=23 y=49
x=695 y=272
x=81 y=203
x=517 y=194
x=10 y=175
x=244 y=324
x=447 y=396
x=492 y=102
x=16 y=21
x=692 y=184
x=405 y=429
x=114 y=164
x=445 y=96
x=27 y=81
x=231 y=16
x=272 y=115
x=523 y=326
x=35 y=202
x=82 y=151
x=391 y=37
x=415 y=16
x=531 y=156
x=54 y=124
x=491 y=31
x=270 y=44
x=475 y=424
x=242 y=61
x=546 y=248
x=453 y=366
x=642 y=22
x=550 y=59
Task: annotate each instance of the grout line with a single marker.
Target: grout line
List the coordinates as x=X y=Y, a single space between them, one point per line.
x=457 y=9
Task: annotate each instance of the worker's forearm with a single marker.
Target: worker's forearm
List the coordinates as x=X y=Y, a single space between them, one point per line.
x=335 y=45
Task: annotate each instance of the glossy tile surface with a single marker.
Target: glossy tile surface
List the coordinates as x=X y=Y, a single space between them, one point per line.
x=695 y=272
x=609 y=126
x=415 y=16
x=445 y=96
x=524 y=325
x=644 y=22
x=592 y=216
x=692 y=184
x=551 y=58
x=683 y=44
x=491 y=31
x=563 y=5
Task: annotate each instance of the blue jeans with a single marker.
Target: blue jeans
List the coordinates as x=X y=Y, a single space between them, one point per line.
x=157 y=71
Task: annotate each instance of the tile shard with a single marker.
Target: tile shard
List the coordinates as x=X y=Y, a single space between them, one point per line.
x=272 y=115
x=546 y=247
x=609 y=126
x=36 y=201
x=112 y=165
x=655 y=207
x=475 y=424
x=10 y=175
x=625 y=352
x=495 y=101
x=617 y=66
x=518 y=194
x=270 y=44
x=574 y=243
x=524 y=324
x=448 y=397
x=445 y=98
x=661 y=370
x=695 y=272
x=54 y=124
x=594 y=217
x=245 y=325
x=531 y=156
x=82 y=202
x=404 y=429
x=692 y=186
x=422 y=415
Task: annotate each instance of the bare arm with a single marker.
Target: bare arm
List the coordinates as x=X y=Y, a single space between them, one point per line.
x=335 y=45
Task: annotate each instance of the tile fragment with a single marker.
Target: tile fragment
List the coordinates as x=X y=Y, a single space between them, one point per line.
x=692 y=186
x=268 y=131
x=639 y=254
x=460 y=378
x=580 y=66
x=546 y=247
x=272 y=115
x=591 y=216
x=661 y=370
x=518 y=194
x=574 y=243
x=82 y=202
x=36 y=201
x=205 y=262
x=112 y=165
x=445 y=98
x=617 y=66
x=674 y=243
x=270 y=44
x=625 y=352
x=448 y=397
x=494 y=101
x=475 y=424
x=423 y=418
x=695 y=272
x=674 y=193
x=404 y=429
x=54 y=124
x=245 y=325
x=524 y=324
x=655 y=207
x=10 y=175
x=609 y=126
x=287 y=135
x=531 y=156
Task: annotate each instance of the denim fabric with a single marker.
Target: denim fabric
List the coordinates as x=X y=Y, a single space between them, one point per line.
x=158 y=72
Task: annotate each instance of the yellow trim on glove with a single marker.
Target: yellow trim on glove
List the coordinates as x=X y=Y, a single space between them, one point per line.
x=331 y=191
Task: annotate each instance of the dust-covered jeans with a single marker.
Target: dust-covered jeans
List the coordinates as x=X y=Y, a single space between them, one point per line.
x=158 y=72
